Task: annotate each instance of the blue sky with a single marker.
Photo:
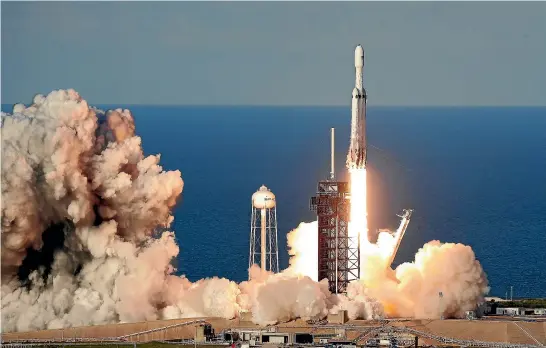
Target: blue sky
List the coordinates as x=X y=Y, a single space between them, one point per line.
x=272 y=53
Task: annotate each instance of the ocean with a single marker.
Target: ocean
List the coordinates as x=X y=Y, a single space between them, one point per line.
x=472 y=175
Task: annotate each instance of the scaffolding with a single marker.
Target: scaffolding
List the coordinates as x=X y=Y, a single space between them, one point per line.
x=338 y=254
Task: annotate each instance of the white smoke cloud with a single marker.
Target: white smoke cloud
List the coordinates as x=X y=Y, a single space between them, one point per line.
x=358 y=303
x=449 y=268
x=412 y=289
x=65 y=163
x=284 y=296
x=303 y=250
x=79 y=176
x=84 y=170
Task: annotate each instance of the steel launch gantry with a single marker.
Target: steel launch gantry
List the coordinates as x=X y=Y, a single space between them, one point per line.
x=338 y=254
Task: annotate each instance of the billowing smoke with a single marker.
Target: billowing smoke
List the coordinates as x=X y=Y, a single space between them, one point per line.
x=84 y=214
x=85 y=240
x=283 y=296
x=412 y=289
x=81 y=210
x=303 y=250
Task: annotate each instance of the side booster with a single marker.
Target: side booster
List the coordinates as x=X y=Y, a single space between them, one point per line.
x=357 y=156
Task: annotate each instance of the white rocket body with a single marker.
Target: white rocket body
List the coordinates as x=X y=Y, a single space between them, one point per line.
x=357 y=156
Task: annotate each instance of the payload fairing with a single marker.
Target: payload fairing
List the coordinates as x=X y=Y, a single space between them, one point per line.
x=357 y=156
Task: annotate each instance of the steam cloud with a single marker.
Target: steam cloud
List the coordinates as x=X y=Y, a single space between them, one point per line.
x=85 y=241
x=412 y=289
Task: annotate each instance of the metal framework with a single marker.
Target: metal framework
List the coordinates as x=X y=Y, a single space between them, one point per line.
x=102 y=340
x=338 y=254
x=369 y=332
x=264 y=220
x=399 y=234
x=448 y=340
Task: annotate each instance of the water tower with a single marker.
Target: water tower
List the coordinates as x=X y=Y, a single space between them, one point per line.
x=263 y=231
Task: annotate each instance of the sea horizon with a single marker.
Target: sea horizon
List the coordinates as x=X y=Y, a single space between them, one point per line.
x=348 y=106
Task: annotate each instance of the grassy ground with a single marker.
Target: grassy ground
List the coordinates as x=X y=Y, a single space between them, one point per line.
x=529 y=303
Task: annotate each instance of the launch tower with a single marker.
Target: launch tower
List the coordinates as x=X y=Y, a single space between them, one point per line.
x=338 y=254
x=263 y=231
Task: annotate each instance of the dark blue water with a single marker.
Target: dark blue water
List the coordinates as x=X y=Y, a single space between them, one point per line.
x=473 y=175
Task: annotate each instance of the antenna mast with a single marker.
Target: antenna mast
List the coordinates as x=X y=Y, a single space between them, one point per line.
x=332 y=154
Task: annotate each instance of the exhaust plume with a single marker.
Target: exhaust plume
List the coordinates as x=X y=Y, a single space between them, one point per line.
x=303 y=250
x=412 y=289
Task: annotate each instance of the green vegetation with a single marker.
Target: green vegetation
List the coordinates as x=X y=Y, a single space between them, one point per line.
x=528 y=303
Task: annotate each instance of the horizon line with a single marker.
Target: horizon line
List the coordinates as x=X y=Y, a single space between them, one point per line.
x=302 y=105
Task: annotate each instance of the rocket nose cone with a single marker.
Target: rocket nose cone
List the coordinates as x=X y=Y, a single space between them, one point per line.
x=359 y=51
x=355 y=92
x=359 y=56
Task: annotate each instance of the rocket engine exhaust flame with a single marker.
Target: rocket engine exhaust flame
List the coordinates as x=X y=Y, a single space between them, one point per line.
x=358 y=223
x=79 y=174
